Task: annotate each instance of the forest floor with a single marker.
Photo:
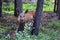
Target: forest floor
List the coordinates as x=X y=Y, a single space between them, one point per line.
x=10 y=20
x=7 y=21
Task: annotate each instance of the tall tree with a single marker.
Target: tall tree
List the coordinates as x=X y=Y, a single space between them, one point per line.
x=0 y=8
x=55 y=6
x=38 y=15
x=18 y=7
x=58 y=9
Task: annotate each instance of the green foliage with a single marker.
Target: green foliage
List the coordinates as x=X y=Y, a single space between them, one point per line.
x=8 y=8
x=29 y=6
x=3 y=27
x=53 y=34
x=44 y=34
x=54 y=24
x=48 y=6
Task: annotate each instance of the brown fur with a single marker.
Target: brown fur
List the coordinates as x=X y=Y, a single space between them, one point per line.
x=28 y=16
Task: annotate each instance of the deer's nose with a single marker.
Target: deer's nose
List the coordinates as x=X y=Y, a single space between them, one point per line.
x=22 y=20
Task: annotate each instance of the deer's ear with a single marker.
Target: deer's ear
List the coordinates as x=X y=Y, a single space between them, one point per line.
x=26 y=11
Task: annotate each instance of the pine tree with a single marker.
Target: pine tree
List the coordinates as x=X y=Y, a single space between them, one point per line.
x=37 y=19
x=55 y=6
x=58 y=9
x=0 y=8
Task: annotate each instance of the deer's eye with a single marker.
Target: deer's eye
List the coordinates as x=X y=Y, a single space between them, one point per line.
x=20 y=16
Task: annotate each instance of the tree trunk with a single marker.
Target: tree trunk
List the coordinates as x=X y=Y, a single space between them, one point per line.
x=18 y=7
x=55 y=6
x=58 y=9
x=37 y=19
x=0 y=8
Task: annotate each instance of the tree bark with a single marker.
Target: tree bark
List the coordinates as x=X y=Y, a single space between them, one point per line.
x=37 y=19
x=58 y=9
x=55 y=6
x=18 y=7
x=0 y=8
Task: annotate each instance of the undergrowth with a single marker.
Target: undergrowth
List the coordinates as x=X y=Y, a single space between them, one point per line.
x=45 y=33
